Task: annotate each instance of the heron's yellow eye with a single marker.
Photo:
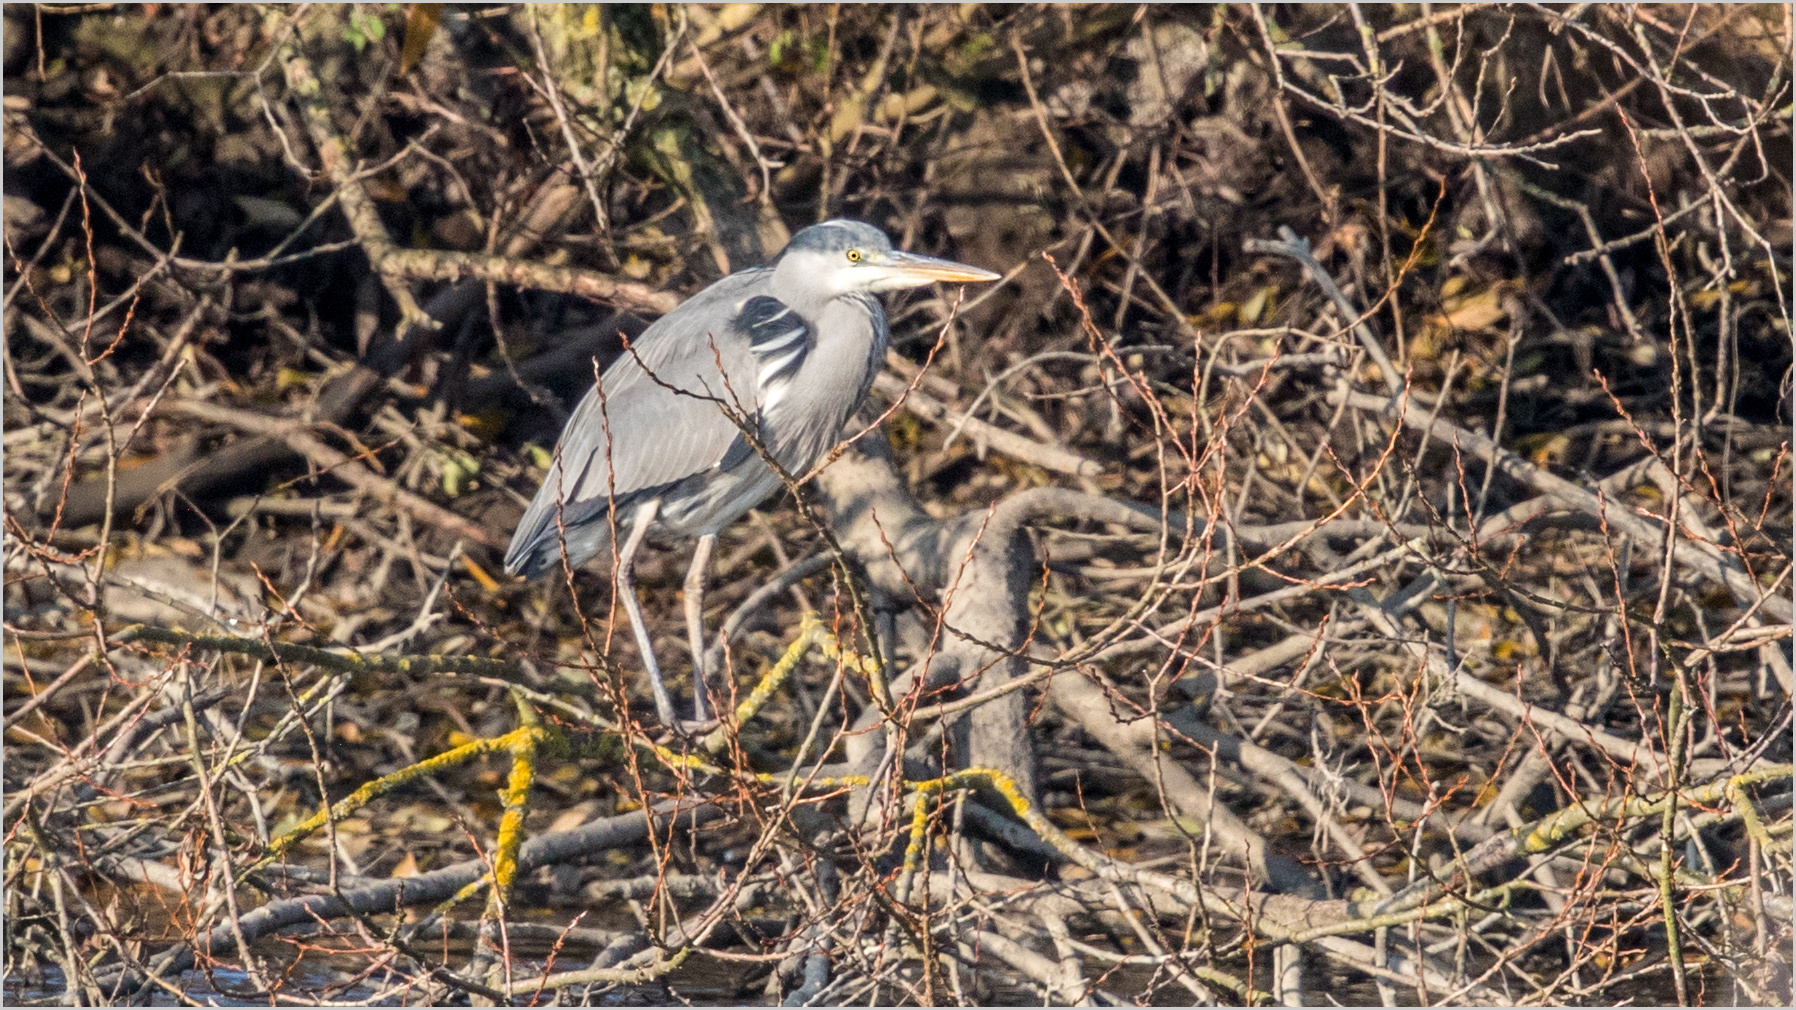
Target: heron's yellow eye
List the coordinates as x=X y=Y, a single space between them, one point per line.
x=854 y=255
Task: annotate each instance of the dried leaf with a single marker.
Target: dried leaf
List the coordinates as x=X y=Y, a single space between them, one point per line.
x=421 y=22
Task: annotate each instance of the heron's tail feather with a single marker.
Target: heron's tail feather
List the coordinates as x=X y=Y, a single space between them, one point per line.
x=536 y=547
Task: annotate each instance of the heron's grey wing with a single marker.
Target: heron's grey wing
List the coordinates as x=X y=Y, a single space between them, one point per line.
x=659 y=420
x=643 y=433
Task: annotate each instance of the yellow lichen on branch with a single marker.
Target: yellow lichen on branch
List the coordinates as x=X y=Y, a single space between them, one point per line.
x=521 y=743
x=833 y=648
x=526 y=740
x=1552 y=830
x=810 y=632
x=809 y=629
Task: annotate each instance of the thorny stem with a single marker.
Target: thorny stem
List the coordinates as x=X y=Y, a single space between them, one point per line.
x=1676 y=719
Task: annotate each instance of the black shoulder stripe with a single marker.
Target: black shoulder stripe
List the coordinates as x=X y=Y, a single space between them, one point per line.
x=772 y=327
x=779 y=337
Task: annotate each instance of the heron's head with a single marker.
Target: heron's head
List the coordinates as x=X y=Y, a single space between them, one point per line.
x=843 y=257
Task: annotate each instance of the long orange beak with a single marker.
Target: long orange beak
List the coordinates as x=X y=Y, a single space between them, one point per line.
x=910 y=270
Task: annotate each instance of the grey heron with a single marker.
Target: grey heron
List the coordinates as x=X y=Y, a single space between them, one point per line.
x=790 y=348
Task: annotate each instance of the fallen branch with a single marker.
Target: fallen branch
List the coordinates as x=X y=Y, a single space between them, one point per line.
x=1048 y=457
x=344 y=468
x=1702 y=558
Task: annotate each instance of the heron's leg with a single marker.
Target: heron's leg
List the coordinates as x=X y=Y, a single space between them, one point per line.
x=695 y=623
x=626 y=594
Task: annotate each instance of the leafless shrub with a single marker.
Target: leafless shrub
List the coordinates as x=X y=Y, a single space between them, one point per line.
x=1348 y=556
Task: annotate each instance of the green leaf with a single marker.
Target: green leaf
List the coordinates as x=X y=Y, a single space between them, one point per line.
x=362 y=28
x=778 y=48
x=458 y=469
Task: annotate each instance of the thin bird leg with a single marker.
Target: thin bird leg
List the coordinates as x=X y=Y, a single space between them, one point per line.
x=695 y=623
x=626 y=594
